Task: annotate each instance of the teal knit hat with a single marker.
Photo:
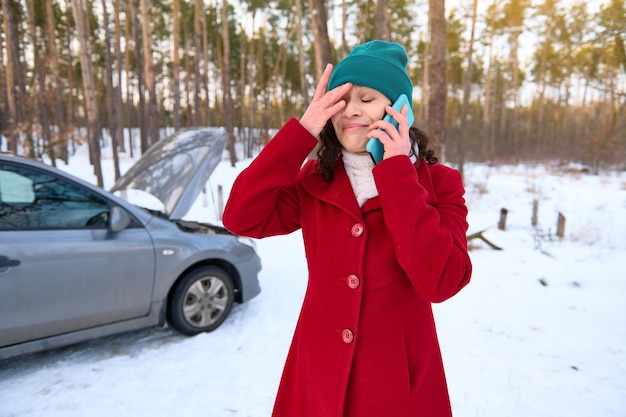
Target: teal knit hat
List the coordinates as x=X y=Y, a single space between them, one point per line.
x=377 y=64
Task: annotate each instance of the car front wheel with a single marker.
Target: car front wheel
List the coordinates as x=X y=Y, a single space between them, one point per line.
x=201 y=301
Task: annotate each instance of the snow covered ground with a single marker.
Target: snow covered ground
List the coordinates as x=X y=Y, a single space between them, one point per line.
x=540 y=331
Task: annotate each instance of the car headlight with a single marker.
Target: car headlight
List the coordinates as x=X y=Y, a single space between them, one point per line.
x=247 y=241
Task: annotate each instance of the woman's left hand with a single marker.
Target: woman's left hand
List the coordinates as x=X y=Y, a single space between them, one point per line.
x=395 y=141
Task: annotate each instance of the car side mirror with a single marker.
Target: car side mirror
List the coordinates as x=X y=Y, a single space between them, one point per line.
x=119 y=219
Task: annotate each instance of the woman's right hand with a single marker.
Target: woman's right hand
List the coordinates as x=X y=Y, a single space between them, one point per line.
x=325 y=104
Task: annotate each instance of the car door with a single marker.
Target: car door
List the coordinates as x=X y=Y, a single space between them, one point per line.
x=61 y=268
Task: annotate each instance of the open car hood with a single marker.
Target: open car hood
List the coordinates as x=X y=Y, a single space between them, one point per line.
x=175 y=169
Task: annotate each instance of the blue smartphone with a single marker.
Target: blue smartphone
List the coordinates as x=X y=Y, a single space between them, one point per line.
x=374 y=146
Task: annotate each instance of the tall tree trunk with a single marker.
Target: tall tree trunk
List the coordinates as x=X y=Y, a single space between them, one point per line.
x=59 y=114
x=304 y=84
x=381 y=25
x=110 y=99
x=321 y=42
x=41 y=114
x=437 y=99
x=226 y=77
x=541 y=80
x=13 y=79
x=515 y=125
x=130 y=35
x=119 y=103
x=252 y=98
x=488 y=146
x=89 y=89
x=281 y=56
x=244 y=134
x=188 y=83
x=206 y=107
x=344 y=23
x=425 y=80
x=251 y=112
x=3 y=92
x=176 y=63
x=265 y=121
x=197 y=36
x=140 y=71
x=71 y=130
x=547 y=15
x=146 y=32
x=500 y=130
x=466 y=91
x=514 y=15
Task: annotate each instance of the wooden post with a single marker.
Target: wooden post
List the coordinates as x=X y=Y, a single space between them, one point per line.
x=205 y=201
x=502 y=222
x=533 y=219
x=560 y=226
x=220 y=201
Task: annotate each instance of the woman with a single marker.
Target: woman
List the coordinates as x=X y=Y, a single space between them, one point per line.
x=382 y=243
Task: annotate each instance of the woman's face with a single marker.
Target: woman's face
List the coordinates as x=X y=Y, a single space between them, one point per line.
x=364 y=106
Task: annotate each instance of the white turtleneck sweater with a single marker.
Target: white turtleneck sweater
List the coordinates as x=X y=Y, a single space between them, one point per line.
x=359 y=169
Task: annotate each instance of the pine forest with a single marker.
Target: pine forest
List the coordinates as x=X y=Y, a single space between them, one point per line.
x=496 y=81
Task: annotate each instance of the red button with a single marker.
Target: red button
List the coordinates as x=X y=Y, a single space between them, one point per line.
x=357 y=230
x=347 y=336
x=353 y=281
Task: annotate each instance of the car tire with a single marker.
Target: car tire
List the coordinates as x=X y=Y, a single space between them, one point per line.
x=201 y=300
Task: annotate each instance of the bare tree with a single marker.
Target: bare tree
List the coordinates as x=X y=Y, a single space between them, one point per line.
x=425 y=80
x=437 y=76
x=488 y=143
x=206 y=108
x=60 y=114
x=148 y=61
x=321 y=42
x=344 y=23
x=249 y=111
x=197 y=81
x=110 y=99
x=14 y=80
x=244 y=134
x=304 y=84
x=41 y=115
x=381 y=24
x=226 y=77
x=119 y=66
x=514 y=12
x=133 y=5
x=176 y=62
x=89 y=90
x=466 y=90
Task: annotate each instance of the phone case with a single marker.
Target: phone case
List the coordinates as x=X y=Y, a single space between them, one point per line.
x=374 y=146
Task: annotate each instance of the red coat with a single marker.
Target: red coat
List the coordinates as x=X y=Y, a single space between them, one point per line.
x=365 y=343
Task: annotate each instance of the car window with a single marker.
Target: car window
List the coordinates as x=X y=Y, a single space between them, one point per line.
x=33 y=199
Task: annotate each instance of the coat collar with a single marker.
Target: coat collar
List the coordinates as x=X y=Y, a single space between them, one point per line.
x=338 y=192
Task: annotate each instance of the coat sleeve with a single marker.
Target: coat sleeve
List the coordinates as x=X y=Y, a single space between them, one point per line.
x=263 y=200
x=429 y=236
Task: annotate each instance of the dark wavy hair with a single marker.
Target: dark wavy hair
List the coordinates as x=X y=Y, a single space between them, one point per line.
x=330 y=148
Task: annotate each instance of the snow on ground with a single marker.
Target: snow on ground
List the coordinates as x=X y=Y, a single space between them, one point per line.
x=540 y=331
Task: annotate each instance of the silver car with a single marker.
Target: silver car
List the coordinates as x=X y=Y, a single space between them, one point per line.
x=77 y=262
